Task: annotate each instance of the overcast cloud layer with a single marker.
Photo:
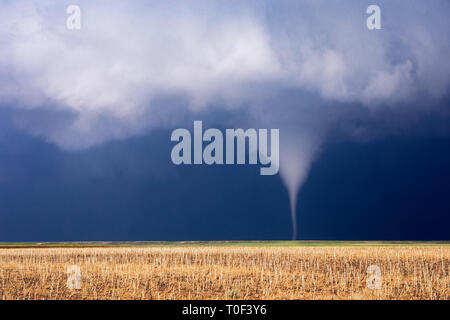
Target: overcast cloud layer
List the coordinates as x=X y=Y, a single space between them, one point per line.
x=134 y=64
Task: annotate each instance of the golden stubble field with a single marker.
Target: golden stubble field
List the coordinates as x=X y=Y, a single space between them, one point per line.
x=225 y=273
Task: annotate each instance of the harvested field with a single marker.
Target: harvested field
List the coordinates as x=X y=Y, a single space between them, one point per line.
x=225 y=273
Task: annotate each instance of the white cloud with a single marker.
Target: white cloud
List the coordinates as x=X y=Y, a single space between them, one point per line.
x=127 y=57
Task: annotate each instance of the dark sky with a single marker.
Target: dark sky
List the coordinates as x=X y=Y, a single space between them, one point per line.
x=388 y=189
x=87 y=111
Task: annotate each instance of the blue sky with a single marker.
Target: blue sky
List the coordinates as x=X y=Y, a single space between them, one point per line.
x=86 y=117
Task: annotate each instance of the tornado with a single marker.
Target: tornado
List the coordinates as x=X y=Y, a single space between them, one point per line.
x=298 y=152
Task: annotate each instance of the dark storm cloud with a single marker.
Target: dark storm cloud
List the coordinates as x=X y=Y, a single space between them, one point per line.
x=112 y=74
x=310 y=68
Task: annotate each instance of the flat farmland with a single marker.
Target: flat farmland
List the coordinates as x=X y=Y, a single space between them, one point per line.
x=226 y=272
